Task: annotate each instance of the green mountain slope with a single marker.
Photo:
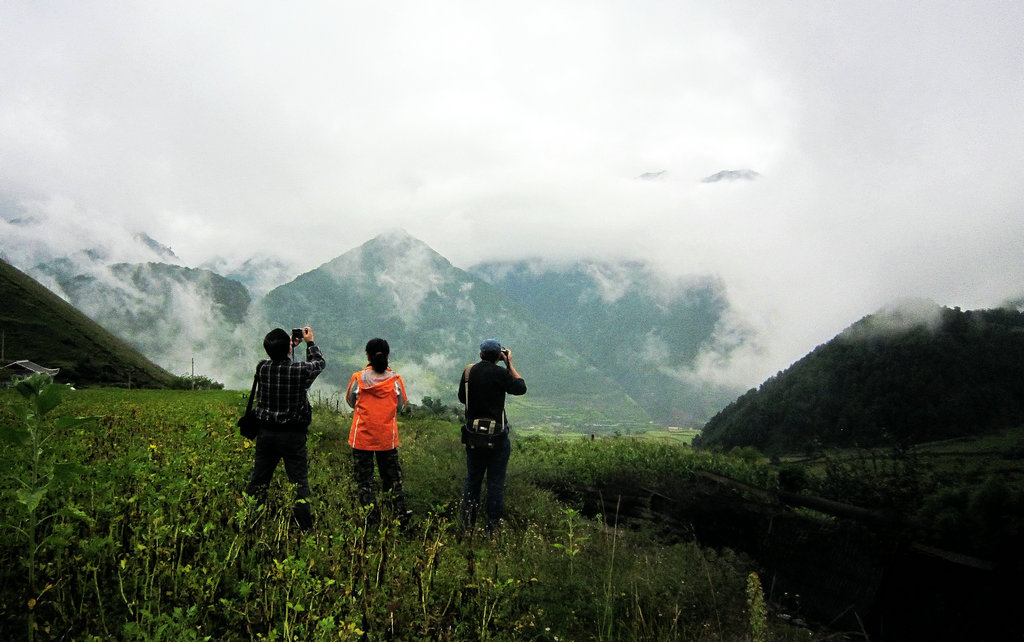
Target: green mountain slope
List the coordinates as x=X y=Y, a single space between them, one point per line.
x=434 y=316
x=889 y=378
x=39 y=326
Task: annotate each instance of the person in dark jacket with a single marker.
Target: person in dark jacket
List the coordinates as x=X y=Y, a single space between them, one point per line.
x=282 y=406
x=482 y=389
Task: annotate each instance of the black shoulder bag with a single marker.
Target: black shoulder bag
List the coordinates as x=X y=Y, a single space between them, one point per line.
x=481 y=431
x=248 y=424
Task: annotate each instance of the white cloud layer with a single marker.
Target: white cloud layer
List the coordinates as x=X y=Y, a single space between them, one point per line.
x=889 y=138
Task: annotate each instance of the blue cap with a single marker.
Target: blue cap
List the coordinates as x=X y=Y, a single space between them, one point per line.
x=490 y=345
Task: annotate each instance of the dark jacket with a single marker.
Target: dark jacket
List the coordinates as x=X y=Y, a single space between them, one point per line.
x=488 y=384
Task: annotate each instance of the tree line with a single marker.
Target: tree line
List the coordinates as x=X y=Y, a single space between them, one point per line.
x=874 y=385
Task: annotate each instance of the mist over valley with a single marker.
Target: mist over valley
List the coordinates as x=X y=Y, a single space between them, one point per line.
x=605 y=346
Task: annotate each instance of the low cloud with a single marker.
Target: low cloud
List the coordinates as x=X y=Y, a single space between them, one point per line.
x=886 y=137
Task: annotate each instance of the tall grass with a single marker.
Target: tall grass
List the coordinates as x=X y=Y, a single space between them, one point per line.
x=155 y=541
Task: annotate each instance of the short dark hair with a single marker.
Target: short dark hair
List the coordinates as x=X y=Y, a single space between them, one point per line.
x=277 y=343
x=490 y=355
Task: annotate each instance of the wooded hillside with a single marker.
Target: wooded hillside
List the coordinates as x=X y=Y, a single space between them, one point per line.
x=887 y=379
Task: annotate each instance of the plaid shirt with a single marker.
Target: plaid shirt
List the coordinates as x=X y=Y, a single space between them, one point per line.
x=281 y=395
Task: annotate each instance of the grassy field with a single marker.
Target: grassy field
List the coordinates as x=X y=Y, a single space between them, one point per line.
x=132 y=525
x=971 y=459
x=683 y=436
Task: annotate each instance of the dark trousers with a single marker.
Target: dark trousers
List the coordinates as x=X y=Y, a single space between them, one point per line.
x=491 y=463
x=271 y=447
x=390 y=476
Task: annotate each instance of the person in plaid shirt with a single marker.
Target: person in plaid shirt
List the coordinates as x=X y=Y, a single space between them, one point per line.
x=282 y=406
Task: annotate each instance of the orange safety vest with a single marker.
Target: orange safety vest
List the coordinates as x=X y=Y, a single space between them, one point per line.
x=375 y=416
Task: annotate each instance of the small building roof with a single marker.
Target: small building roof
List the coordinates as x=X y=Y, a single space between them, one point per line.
x=31 y=367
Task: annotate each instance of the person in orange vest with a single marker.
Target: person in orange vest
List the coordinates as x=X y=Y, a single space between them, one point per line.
x=377 y=394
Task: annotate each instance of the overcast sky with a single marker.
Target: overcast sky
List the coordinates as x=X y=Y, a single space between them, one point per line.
x=888 y=136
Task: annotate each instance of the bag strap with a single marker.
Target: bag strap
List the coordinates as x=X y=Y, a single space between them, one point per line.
x=465 y=377
x=252 y=393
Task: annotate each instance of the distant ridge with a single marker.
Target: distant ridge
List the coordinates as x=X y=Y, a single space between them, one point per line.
x=39 y=326
x=732 y=175
x=652 y=176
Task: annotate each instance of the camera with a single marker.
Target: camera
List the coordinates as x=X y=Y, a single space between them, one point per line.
x=297 y=333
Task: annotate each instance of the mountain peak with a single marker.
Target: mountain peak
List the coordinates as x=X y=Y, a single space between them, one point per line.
x=652 y=176
x=732 y=175
x=395 y=265
x=394 y=236
x=161 y=250
x=397 y=244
